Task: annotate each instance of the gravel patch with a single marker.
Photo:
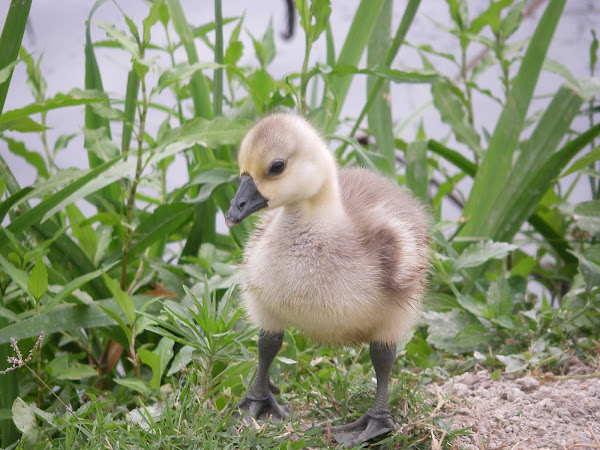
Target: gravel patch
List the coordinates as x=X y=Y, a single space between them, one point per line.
x=525 y=413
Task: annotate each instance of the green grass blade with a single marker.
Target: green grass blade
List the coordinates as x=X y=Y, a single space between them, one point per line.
x=93 y=80
x=218 y=77
x=497 y=160
x=356 y=40
x=36 y=214
x=416 y=170
x=547 y=135
x=10 y=41
x=407 y=19
x=556 y=241
x=198 y=84
x=131 y=95
x=527 y=199
x=380 y=112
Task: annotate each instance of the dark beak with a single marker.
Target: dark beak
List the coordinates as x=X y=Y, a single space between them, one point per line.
x=246 y=201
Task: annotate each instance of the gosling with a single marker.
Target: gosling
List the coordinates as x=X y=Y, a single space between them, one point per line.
x=341 y=254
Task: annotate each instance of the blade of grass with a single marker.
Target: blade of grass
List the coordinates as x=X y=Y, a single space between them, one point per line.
x=407 y=19
x=497 y=161
x=93 y=80
x=356 y=40
x=218 y=76
x=550 y=130
x=66 y=247
x=131 y=95
x=198 y=84
x=380 y=112
x=558 y=243
x=10 y=41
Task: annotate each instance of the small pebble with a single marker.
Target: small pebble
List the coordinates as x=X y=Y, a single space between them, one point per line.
x=528 y=384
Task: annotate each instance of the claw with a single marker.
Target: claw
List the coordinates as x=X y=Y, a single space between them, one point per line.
x=364 y=429
x=262 y=409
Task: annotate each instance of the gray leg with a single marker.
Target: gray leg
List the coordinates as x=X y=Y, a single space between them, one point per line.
x=259 y=400
x=377 y=421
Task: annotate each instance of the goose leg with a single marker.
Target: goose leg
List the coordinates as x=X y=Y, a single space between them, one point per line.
x=377 y=421
x=259 y=400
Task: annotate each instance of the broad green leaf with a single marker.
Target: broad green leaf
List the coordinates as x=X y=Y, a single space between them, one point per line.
x=72 y=285
x=19 y=276
x=181 y=360
x=444 y=328
x=583 y=162
x=481 y=252
x=180 y=72
x=305 y=16
x=76 y=372
x=158 y=359
x=122 y=299
x=511 y=22
x=97 y=141
x=497 y=162
x=589 y=267
x=474 y=306
x=453 y=113
x=125 y=41
x=10 y=42
x=85 y=234
x=209 y=133
x=513 y=363
x=58 y=200
x=265 y=48
x=67 y=317
x=320 y=10
x=151 y=19
x=165 y=220
x=587 y=215
x=33 y=158
x=12 y=201
x=25 y=421
x=75 y=97
x=37 y=283
x=22 y=125
x=141 y=386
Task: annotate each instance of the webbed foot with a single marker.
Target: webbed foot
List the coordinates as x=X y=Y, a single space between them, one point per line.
x=364 y=429
x=261 y=409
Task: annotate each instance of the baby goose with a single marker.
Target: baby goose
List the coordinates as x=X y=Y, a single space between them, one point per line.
x=340 y=253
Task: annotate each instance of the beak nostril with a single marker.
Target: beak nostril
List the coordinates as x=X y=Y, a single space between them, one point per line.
x=241 y=205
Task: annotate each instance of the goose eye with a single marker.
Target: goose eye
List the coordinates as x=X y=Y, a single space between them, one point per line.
x=276 y=167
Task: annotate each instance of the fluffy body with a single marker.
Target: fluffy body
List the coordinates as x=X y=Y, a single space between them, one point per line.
x=340 y=253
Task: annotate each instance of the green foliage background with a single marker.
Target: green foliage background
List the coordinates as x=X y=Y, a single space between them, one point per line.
x=143 y=339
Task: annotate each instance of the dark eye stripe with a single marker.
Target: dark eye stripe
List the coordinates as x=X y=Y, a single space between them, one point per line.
x=276 y=167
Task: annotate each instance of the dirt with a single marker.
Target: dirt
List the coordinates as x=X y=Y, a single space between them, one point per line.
x=546 y=412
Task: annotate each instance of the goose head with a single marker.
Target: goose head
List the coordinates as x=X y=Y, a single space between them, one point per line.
x=283 y=162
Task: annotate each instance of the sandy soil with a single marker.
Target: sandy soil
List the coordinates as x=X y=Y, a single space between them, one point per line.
x=526 y=413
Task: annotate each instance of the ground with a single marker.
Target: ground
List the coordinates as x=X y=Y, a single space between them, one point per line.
x=531 y=412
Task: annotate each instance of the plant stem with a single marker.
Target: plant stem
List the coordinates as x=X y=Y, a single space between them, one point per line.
x=304 y=75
